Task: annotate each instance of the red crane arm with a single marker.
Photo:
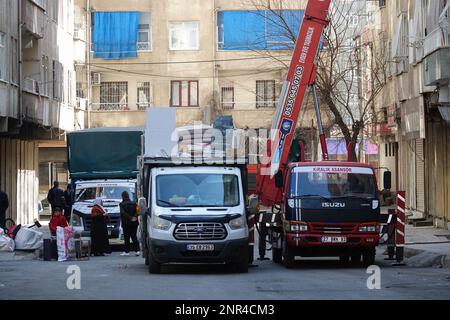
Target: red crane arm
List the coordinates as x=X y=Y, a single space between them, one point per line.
x=300 y=76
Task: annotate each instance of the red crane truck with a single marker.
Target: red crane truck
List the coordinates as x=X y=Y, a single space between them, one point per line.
x=322 y=208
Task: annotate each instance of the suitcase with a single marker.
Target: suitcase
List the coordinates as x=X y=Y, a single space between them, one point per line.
x=50 y=250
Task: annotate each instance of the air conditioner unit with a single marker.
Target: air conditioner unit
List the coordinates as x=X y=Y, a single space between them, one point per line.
x=96 y=78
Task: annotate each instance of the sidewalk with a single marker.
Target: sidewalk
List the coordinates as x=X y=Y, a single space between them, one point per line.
x=427 y=247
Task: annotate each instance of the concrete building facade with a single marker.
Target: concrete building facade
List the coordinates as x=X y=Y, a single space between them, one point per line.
x=37 y=94
x=414 y=107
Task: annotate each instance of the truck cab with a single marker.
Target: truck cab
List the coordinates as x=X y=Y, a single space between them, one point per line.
x=194 y=214
x=328 y=209
x=110 y=191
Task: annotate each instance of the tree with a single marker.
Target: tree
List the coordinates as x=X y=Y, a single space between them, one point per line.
x=350 y=72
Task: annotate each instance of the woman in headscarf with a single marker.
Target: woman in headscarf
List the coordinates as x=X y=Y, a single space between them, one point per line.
x=99 y=229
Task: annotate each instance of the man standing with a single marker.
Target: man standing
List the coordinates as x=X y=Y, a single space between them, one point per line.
x=55 y=197
x=4 y=205
x=69 y=197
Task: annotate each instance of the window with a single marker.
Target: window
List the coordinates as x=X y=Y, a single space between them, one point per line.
x=184 y=93
x=143 y=95
x=44 y=76
x=382 y=3
x=227 y=97
x=57 y=82
x=14 y=61
x=2 y=56
x=144 y=32
x=265 y=94
x=114 y=96
x=183 y=36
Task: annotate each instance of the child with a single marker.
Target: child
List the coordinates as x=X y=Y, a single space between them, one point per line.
x=57 y=220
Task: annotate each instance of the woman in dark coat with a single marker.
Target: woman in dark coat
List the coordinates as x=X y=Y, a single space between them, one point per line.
x=99 y=229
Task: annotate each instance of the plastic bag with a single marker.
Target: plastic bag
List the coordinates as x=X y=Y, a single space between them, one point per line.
x=65 y=240
x=2 y=232
x=6 y=244
x=28 y=239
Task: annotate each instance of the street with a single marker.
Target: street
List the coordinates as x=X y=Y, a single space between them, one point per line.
x=116 y=277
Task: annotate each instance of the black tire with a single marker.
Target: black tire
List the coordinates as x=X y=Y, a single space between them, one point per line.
x=288 y=256
x=356 y=258
x=369 y=257
x=154 y=266
x=344 y=259
x=242 y=267
x=277 y=255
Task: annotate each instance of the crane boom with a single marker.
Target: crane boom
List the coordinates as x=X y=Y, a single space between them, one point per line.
x=301 y=75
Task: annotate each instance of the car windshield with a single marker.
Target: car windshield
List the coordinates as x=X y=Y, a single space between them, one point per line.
x=197 y=190
x=332 y=184
x=106 y=193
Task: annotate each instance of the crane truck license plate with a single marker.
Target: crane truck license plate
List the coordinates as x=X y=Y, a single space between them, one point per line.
x=334 y=239
x=200 y=247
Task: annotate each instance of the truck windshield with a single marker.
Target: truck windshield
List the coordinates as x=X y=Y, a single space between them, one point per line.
x=108 y=193
x=197 y=190
x=332 y=184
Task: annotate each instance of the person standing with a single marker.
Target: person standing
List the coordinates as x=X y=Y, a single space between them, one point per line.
x=4 y=205
x=129 y=217
x=69 y=197
x=99 y=229
x=55 y=197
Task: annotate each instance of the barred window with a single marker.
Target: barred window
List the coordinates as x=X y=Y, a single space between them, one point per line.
x=227 y=97
x=143 y=95
x=114 y=96
x=265 y=94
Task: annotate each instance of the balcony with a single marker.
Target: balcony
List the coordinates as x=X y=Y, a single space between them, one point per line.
x=437 y=71
x=33 y=19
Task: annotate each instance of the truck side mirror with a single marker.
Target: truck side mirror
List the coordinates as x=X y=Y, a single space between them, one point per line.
x=387 y=177
x=253 y=205
x=279 y=179
x=142 y=203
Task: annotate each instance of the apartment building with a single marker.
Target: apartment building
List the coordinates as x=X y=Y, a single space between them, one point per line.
x=203 y=57
x=413 y=128
x=37 y=95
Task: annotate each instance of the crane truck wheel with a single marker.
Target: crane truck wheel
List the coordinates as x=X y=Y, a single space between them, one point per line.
x=153 y=265
x=288 y=257
x=277 y=255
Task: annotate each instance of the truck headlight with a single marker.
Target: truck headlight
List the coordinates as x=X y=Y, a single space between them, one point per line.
x=76 y=220
x=161 y=224
x=238 y=223
x=369 y=228
x=299 y=227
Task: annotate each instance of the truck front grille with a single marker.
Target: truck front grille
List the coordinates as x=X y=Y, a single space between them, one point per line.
x=200 y=231
x=333 y=228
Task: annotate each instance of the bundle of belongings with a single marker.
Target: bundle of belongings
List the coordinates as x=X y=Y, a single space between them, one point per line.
x=18 y=237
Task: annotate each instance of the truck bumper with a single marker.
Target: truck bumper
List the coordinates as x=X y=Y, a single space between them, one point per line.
x=232 y=251
x=313 y=245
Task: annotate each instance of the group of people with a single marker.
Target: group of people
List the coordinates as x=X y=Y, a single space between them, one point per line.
x=129 y=212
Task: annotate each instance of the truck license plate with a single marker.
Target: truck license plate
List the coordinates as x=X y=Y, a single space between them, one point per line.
x=334 y=239
x=200 y=247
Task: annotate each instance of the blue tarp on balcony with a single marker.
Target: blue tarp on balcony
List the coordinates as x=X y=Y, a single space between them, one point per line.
x=115 y=34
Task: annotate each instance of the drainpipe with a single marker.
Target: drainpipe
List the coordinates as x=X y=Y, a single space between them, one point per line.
x=88 y=61
x=19 y=59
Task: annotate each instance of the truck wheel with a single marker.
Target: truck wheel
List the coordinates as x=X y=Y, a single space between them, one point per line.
x=277 y=255
x=242 y=267
x=369 y=257
x=356 y=258
x=153 y=265
x=288 y=256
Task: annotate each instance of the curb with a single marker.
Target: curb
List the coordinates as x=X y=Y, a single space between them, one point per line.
x=423 y=258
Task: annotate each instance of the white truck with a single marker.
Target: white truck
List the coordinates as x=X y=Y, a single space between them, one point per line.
x=192 y=211
x=102 y=164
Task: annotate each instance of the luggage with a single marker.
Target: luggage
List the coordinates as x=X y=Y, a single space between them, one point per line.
x=6 y=244
x=50 y=250
x=28 y=239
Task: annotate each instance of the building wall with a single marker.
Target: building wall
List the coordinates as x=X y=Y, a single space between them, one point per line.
x=19 y=178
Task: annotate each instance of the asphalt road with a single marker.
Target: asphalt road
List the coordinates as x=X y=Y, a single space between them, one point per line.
x=116 y=277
